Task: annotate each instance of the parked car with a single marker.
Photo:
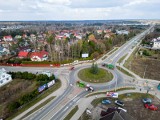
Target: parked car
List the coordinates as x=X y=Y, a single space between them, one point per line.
x=146 y=100
x=106 y=101
x=119 y=103
x=150 y=106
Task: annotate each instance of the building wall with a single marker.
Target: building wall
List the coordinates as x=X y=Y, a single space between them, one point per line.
x=156 y=45
x=5 y=78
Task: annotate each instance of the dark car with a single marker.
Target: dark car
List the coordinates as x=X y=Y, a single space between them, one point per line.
x=119 y=103
x=146 y=100
x=103 y=64
x=150 y=106
x=71 y=68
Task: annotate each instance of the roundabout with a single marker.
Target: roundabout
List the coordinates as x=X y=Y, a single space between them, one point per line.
x=102 y=76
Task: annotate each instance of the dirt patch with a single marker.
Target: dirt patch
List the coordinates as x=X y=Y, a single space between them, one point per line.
x=149 y=68
x=12 y=91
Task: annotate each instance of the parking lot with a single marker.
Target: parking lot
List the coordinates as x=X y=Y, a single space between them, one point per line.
x=133 y=105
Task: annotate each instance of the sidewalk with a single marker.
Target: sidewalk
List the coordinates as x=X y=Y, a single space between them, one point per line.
x=56 y=93
x=84 y=103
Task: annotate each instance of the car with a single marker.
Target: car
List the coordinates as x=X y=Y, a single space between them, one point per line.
x=89 y=88
x=106 y=101
x=71 y=68
x=103 y=64
x=146 y=100
x=119 y=103
x=150 y=106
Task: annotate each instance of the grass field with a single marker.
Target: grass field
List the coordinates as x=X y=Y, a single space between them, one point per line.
x=101 y=77
x=124 y=71
x=73 y=111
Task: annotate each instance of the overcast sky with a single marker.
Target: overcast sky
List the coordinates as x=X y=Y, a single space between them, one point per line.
x=79 y=9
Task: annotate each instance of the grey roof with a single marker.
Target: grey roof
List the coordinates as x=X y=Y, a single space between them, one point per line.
x=117 y=115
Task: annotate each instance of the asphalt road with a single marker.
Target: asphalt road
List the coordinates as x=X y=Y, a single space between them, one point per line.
x=117 y=81
x=118 y=78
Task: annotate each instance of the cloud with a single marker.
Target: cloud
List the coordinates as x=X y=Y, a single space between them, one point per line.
x=78 y=9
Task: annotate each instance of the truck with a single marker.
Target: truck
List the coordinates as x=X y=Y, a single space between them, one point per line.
x=109 y=66
x=80 y=84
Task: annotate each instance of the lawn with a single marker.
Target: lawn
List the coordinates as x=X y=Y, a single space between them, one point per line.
x=119 y=89
x=102 y=77
x=72 y=112
x=121 y=60
x=124 y=71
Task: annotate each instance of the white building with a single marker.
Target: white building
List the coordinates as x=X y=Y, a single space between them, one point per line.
x=120 y=32
x=48 y=73
x=4 y=77
x=156 y=45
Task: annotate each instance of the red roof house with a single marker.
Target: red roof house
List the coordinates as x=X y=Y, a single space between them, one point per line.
x=39 y=56
x=23 y=54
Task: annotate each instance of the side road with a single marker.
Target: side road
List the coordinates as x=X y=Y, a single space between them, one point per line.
x=56 y=93
x=87 y=101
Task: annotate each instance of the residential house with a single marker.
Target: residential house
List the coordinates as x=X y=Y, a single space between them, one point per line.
x=116 y=115
x=4 y=77
x=8 y=38
x=39 y=56
x=3 y=51
x=18 y=37
x=23 y=54
x=155 y=43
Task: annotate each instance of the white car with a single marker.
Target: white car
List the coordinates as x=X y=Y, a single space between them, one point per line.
x=89 y=89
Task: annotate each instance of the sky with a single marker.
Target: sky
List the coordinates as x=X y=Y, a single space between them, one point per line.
x=78 y=9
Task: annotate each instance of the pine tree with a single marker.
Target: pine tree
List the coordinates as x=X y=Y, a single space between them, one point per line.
x=94 y=69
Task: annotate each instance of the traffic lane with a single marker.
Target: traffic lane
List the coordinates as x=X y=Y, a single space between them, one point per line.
x=52 y=105
x=59 y=115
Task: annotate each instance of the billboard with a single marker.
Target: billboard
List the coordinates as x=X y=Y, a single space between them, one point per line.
x=51 y=83
x=112 y=94
x=42 y=88
x=85 y=55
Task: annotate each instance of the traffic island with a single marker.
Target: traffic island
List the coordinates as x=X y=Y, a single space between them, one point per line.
x=101 y=77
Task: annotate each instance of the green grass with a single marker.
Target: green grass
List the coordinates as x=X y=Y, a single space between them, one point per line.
x=121 y=60
x=39 y=106
x=72 y=112
x=124 y=71
x=119 y=89
x=36 y=100
x=113 y=51
x=133 y=96
x=84 y=116
x=95 y=102
x=101 y=77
